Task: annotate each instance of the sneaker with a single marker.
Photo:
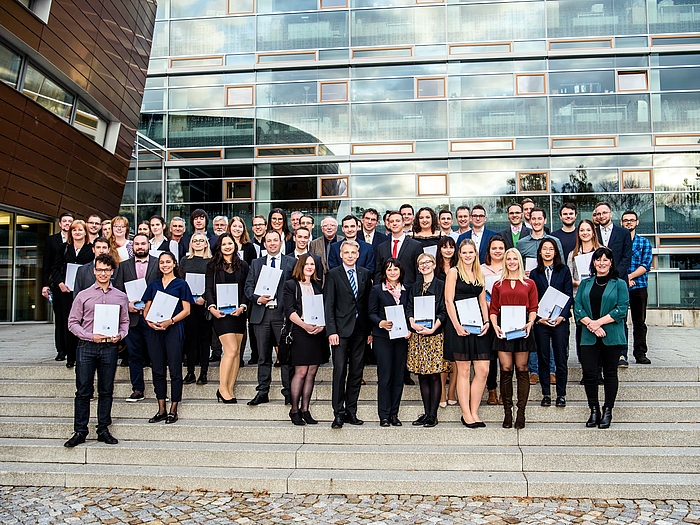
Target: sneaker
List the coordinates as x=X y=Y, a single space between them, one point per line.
x=643 y=360
x=134 y=397
x=623 y=362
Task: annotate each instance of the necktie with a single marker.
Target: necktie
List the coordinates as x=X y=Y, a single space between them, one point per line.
x=353 y=284
x=273 y=262
x=548 y=273
x=394 y=250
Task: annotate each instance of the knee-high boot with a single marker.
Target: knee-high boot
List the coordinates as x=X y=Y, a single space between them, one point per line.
x=507 y=395
x=523 y=393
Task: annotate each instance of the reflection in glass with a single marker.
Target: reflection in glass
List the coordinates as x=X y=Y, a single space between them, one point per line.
x=197 y=98
x=399 y=121
x=369 y=186
x=302 y=124
x=5 y=266
x=431 y=87
x=680 y=112
x=161 y=40
x=498 y=118
x=312 y=30
x=583 y=179
x=391 y=27
x=481 y=86
x=189 y=9
x=213 y=128
x=382 y=89
x=483 y=183
x=10 y=63
x=575 y=82
x=678 y=212
x=573 y=18
x=47 y=93
x=502 y=21
x=673 y=17
x=193 y=191
x=681 y=178
x=281 y=94
x=636 y=179
x=212 y=36
x=600 y=114
x=31 y=235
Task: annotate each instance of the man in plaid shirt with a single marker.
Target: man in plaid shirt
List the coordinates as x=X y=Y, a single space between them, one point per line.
x=638 y=283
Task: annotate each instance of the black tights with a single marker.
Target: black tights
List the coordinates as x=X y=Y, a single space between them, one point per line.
x=430 y=391
x=302 y=387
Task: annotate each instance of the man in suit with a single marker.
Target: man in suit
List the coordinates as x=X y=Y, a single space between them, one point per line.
x=479 y=233
x=350 y=225
x=615 y=237
x=54 y=243
x=140 y=266
x=345 y=298
x=267 y=316
x=517 y=230
x=398 y=246
x=322 y=245
x=445 y=220
x=301 y=246
x=85 y=276
x=368 y=232
x=94 y=227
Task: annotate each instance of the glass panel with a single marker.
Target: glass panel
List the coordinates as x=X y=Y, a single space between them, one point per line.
x=572 y=18
x=213 y=36
x=384 y=89
x=390 y=27
x=281 y=94
x=284 y=151
x=287 y=57
x=373 y=185
x=237 y=189
x=681 y=178
x=334 y=91
x=400 y=121
x=302 y=31
x=433 y=87
x=581 y=44
x=498 y=118
x=676 y=59
x=189 y=9
x=152 y=126
x=678 y=212
x=47 y=93
x=303 y=124
x=530 y=84
x=631 y=41
x=600 y=114
x=584 y=180
x=632 y=180
x=195 y=98
x=149 y=192
x=87 y=121
x=676 y=17
x=676 y=79
x=533 y=182
x=215 y=128
x=239 y=96
x=129 y=193
x=483 y=183
x=240 y=6
x=161 y=40
x=481 y=86
x=6 y=266
x=31 y=235
x=602 y=142
x=680 y=112
x=382 y=53
x=271 y=6
x=485 y=48
x=363 y=149
x=632 y=81
x=503 y=21
x=197 y=62
x=194 y=191
x=582 y=82
x=154 y=100
x=10 y=63
x=642 y=203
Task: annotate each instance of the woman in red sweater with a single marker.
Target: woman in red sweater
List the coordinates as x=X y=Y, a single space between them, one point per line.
x=513 y=289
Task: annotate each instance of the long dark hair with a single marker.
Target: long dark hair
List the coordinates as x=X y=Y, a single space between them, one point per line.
x=285 y=224
x=217 y=261
x=594 y=238
x=298 y=271
x=176 y=269
x=597 y=255
x=556 y=264
x=433 y=221
x=391 y=261
x=439 y=259
x=495 y=238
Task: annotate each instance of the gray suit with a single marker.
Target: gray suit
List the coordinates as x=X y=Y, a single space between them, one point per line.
x=85 y=277
x=318 y=246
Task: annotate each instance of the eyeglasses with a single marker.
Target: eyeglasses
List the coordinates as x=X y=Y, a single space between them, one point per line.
x=629 y=220
x=118 y=227
x=425 y=263
x=103 y=270
x=259 y=225
x=478 y=216
x=199 y=240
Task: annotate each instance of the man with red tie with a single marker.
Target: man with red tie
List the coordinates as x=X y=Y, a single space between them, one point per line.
x=400 y=247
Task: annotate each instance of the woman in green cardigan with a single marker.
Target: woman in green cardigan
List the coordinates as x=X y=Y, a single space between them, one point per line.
x=600 y=307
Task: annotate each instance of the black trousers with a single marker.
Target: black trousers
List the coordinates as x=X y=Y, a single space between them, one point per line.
x=268 y=334
x=391 y=361
x=638 y=313
x=66 y=342
x=556 y=337
x=165 y=349
x=197 y=339
x=348 y=366
x=591 y=357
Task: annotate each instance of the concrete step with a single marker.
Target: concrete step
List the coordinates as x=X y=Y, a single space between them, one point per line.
x=630 y=391
x=57 y=371
x=575 y=412
x=535 y=434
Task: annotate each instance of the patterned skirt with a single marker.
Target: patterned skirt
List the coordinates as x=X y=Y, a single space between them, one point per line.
x=425 y=354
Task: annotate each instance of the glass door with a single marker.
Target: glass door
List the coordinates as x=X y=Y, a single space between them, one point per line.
x=30 y=239
x=5 y=266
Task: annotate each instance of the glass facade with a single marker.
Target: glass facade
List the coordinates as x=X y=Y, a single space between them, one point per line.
x=256 y=104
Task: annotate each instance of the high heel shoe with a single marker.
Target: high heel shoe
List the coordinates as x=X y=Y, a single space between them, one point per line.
x=222 y=399
x=296 y=418
x=469 y=425
x=306 y=416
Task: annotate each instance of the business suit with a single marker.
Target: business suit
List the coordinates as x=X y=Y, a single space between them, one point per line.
x=318 y=246
x=391 y=353
x=365 y=257
x=556 y=336
x=507 y=235
x=267 y=321
x=408 y=255
x=620 y=243
x=486 y=234
x=347 y=317
x=137 y=338
x=377 y=239
x=85 y=277
x=53 y=244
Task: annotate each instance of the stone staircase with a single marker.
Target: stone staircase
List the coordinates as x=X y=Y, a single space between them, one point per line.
x=652 y=449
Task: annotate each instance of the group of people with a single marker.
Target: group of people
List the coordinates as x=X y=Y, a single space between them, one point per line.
x=420 y=298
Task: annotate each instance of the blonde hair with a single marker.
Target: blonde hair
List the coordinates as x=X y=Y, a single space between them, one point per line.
x=426 y=255
x=521 y=269
x=207 y=250
x=74 y=226
x=476 y=267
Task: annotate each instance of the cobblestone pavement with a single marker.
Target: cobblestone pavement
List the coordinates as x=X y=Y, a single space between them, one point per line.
x=29 y=505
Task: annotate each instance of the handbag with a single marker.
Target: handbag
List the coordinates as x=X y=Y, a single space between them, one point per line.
x=286 y=340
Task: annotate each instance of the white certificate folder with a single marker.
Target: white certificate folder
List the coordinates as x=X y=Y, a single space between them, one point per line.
x=513 y=321
x=135 y=290
x=267 y=281
x=162 y=307
x=469 y=314
x=396 y=315
x=312 y=309
x=424 y=310
x=552 y=304
x=196 y=283
x=106 y=320
x=227 y=297
x=71 y=273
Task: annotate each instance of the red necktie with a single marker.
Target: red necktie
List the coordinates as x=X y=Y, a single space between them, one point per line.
x=395 y=249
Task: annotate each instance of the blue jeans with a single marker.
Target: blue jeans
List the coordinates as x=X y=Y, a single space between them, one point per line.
x=90 y=357
x=533 y=363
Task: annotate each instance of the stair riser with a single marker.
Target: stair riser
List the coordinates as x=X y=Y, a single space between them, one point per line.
x=689 y=463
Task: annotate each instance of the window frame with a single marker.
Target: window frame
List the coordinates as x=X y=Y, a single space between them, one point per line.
x=326 y=83
x=444 y=176
x=520 y=174
x=252 y=95
x=371 y=144
x=430 y=97
x=620 y=74
x=224 y=192
x=544 y=82
x=321 y=180
x=632 y=190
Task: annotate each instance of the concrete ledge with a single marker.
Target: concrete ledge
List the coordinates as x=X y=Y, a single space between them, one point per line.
x=618 y=435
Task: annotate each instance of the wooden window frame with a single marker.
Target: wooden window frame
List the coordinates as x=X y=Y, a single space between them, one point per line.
x=622 y=180
x=240 y=12
x=582 y=40
x=533 y=172
x=555 y=139
x=320 y=91
x=444 y=88
x=544 y=78
x=284 y=146
x=171 y=60
x=334 y=6
x=454 y=143
x=334 y=197
x=252 y=92
x=639 y=72
x=674 y=37
x=390 y=48
x=660 y=237
x=487 y=44
x=194 y=150
x=443 y=175
x=363 y=145
x=252 y=189
x=314 y=53
x=694 y=142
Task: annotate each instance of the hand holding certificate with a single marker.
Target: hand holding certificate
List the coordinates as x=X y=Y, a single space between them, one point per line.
x=134 y=291
x=552 y=304
x=267 y=282
x=162 y=307
x=469 y=314
x=424 y=311
x=71 y=272
x=583 y=265
x=513 y=321
x=196 y=283
x=312 y=310
x=106 y=320
x=227 y=298
x=395 y=315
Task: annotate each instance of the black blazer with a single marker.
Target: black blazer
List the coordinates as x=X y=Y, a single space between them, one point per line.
x=561 y=280
x=317 y=262
x=257 y=310
x=436 y=288
x=620 y=244
x=54 y=243
x=85 y=277
x=340 y=302
x=66 y=254
x=249 y=252
x=292 y=296
x=127 y=272
x=407 y=256
x=378 y=299
x=163 y=247
x=508 y=236
x=214 y=277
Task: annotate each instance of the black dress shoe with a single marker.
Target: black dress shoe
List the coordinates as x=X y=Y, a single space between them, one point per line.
x=252 y=361
x=189 y=378
x=394 y=420
x=407 y=380
x=60 y=357
x=643 y=360
x=106 y=437
x=561 y=401
x=306 y=416
x=202 y=380
x=352 y=419
x=605 y=418
x=258 y=399
x=287 y=400
x=546 y=401
x=172 y=418
x=469 y=425
x=297 y=419
x=480 y=424
x=420 y=421
x=384 y=423
x=337 y=422
x=594 y=417
x=74 y=441
x=70 y=364
x=160 y=416
x=430 y=421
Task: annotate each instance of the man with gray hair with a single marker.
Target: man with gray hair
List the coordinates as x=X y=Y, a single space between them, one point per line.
x=322 y=245
x=219 y=225
x=177 y=233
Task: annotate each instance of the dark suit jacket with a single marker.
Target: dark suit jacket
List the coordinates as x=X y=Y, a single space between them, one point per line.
x=378 y=299
x=620 y=244
x=377 y=239
x=561 y=280
x=127 y=272
x=508 y=236
x=292 y=296
x=436 y=288
x=341 y=305
x=249 y=252
x=66 y=254
x=54 y=243
x=214 y=277
x=483 y=247
x=365 y=258
x=407 y=256
x=258 y=310
x=85 y=277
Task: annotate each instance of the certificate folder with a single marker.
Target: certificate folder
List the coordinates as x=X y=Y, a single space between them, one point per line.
x=227 y=297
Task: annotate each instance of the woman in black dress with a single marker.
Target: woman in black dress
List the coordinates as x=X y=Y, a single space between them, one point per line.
x=225 y=267
x=466 y=281
x=445 y=259
x=310 y=346
x=246 y=250
x=426 y=229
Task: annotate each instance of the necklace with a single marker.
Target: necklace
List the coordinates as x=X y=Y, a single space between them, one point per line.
x=598 y=284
